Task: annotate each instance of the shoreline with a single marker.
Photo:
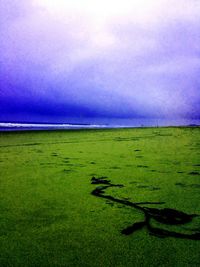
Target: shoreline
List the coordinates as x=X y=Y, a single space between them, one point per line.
x=75 y=129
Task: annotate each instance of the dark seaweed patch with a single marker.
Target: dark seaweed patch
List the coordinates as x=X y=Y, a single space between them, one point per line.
x=195 y=185
x=153 y=188
x=165 y=216
x=66 y=161
x=143 y=186
x=102 y=180
x=130 y=229
x=188 y=185
x=79 y=165
x=99 y=181
x=180 y=184
x=194 y=173
x=142 y=166
x=121 y=139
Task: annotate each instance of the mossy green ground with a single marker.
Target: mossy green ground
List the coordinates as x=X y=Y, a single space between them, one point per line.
x=50 y=218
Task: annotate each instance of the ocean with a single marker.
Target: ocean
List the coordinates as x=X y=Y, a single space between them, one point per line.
x=97 y=124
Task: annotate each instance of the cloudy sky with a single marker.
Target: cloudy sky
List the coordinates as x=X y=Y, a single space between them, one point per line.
x=62 y=59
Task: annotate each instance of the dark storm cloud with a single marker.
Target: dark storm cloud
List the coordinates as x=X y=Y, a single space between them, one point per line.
x=58 y=60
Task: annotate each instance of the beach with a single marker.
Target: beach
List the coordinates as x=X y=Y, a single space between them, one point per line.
x=50 y=215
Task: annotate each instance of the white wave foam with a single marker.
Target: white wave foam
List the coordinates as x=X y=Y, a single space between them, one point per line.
x=41 y=125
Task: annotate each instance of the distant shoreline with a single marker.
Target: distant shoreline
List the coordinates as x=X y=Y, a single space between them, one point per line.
x=17 y=127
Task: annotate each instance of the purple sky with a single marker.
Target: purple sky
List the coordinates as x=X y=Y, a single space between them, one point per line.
x=81 y=59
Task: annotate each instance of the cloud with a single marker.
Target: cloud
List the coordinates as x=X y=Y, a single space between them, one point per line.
x=125 y=58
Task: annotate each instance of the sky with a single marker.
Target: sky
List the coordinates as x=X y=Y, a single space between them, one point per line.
x=74 y=59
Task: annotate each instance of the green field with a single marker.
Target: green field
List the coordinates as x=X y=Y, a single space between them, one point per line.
x=50 y=218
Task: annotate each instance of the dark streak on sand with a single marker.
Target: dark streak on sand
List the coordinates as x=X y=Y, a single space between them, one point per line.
x=142 y=166
x=194 y=173
x=164 y=216
x=188 y=185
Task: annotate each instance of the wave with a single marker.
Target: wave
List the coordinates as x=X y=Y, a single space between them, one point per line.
x=39 y=126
